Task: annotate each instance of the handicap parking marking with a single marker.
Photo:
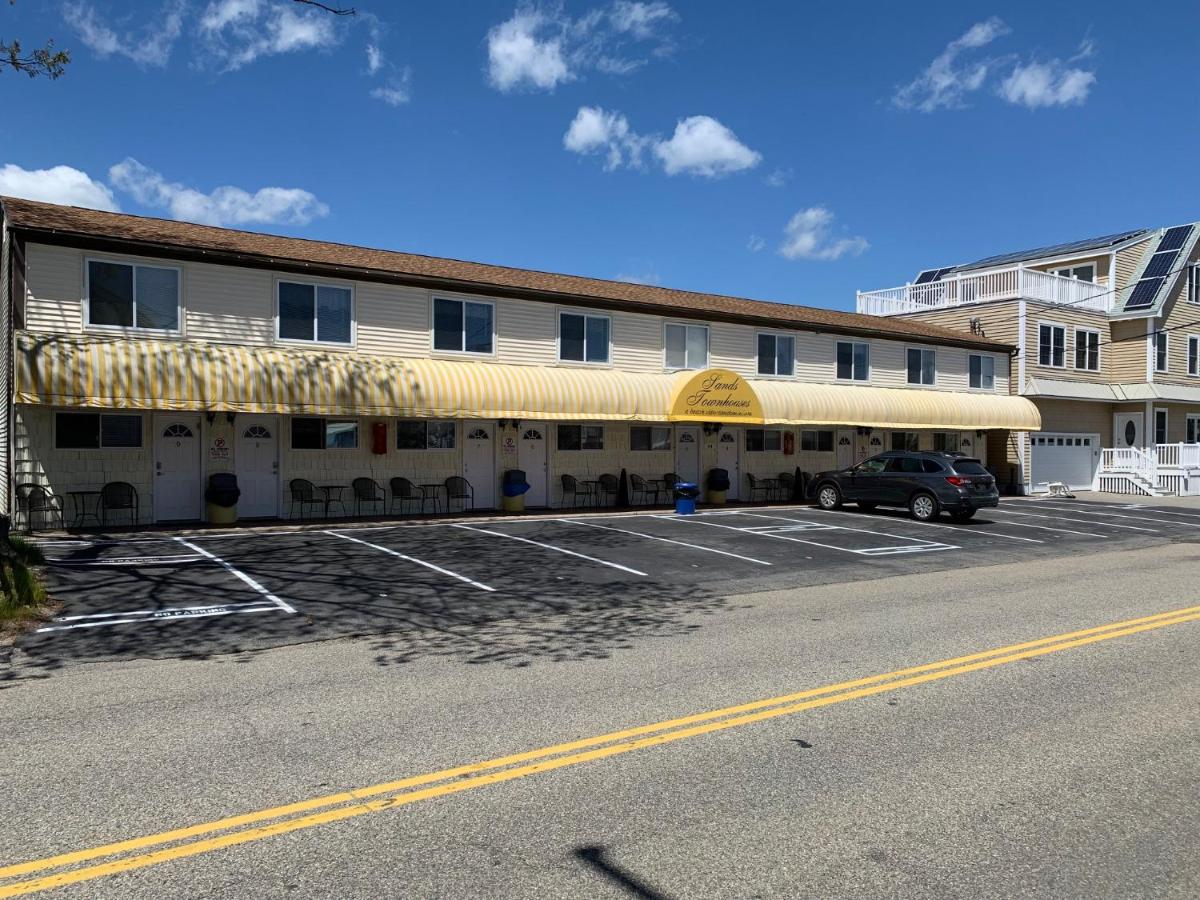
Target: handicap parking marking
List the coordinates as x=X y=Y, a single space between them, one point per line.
x=411 y=559
x=1013 y=512
x=555 y=548
x=976 y=528
x=654 y=537
x=167 y=613
x=237 y=573
x=923 y=547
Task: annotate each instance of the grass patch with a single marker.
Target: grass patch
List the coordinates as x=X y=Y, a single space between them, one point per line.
x=22 y=595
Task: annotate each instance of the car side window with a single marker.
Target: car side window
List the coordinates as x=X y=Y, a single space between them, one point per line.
x=870 y=467
x=932 y=466
x=905 y=465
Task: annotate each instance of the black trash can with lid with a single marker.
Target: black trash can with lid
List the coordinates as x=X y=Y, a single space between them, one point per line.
x=222 y=497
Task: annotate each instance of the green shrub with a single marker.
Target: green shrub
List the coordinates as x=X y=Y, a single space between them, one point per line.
x=21 y=592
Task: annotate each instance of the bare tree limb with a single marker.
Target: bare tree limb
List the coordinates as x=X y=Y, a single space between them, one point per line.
x=336 y=10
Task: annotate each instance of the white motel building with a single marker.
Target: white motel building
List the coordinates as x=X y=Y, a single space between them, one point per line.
x=157 y=353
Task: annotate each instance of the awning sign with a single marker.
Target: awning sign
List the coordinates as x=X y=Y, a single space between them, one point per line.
x=715 y=395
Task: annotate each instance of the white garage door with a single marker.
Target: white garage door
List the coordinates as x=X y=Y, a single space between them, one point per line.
x=1069 y=458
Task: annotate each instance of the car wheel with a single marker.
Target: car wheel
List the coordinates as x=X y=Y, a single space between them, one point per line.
x=866 y=506
x=829 y=497
x=923 y=507
x=965 y=515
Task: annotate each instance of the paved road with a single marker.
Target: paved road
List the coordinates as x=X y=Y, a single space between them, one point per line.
x=1060 y=767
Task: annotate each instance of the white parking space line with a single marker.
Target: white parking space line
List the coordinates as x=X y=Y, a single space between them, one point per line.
x=1110 y=515
x=170 y=613
x=240 y=575
x=130 y=561
x=513 y=537
x=411 y=559
x=1059 y=528
x=924 y=547
x=976 y=529
x=1013 y=512
x=654 y=537
x=842 y=528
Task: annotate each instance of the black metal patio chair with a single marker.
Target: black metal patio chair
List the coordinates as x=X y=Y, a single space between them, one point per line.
x=458 y=488
x=647 y=490
x=764 y=486
x=304 y=493
x=367 y=490
x=34 y=499
x=607 y=486
x=571 y=485
x=404 y=491
x=119 y=496
x=786 y=486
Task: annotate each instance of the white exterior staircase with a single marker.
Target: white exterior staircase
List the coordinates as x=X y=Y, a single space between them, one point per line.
x=1160 y=471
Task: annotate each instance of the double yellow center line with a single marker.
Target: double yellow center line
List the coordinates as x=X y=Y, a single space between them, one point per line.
x=137 y=853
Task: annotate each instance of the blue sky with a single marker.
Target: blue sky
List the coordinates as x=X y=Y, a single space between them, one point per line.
x=795 y=154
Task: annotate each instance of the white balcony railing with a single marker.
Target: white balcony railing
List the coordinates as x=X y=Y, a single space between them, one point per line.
x=1013 y=283
x=1130 y=459
x=1178 y=456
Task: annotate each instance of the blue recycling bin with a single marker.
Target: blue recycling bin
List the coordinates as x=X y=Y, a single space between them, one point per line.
x=685 y=498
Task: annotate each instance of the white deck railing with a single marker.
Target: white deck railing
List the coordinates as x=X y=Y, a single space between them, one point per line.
x=979 y=287
x=1130 y=459
x=1178 y=456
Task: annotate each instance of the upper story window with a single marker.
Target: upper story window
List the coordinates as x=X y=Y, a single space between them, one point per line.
x=315 y=313
x=776 y=354
x=463 y=326
x=122 y=295
x=921 y=366
x=1087 y=349
x=686 y=346
x=1160 y=351
x=981 y=372
x=1193 y=287
x=853 y=361
x=1193 y=355
x=1085 y=272
x=1052 y=346
x=583 y=338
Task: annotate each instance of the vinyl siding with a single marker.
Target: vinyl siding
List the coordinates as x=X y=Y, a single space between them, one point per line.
x=1070 y=319
x=999 y=321
x=227 y=305
x=1182 y=319
x=1129 y=263
x=53 y=288
x=1127 y=352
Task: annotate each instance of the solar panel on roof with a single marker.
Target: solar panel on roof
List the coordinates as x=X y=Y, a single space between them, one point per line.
x=927 y=276
x=1161 y=264
x=1143 y=293
x=1174 y=238
x=941 y=272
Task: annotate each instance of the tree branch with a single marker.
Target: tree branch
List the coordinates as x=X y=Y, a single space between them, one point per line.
x=336 y=10
x=43 y=61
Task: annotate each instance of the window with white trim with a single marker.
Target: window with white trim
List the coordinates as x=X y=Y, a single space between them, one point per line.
x=123 y=295
x=648 y=437
x=776 y=354
x=1193 y=354
x=1160 y=426
x=853 y=361
x=424 y=434
x=1083 y=272
x=463 y=326
x=981 y=372
x=1193 y=429
x=313 y=433
x=686 y=346
x=816 y=441
x=97 y=431
x=315 y=313
x=1087 y=349
x=580 y=437
x=764 y=440
x=1193 y=288
x=921 y=366
x=1052 y=341
x=583 y=338
x=1160 y=351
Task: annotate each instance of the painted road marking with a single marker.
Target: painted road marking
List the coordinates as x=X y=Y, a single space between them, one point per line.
x=976 y=529
x=412 y=559
x=240 y=575
x=524 y=540
x=921 y=545
x=867 y=551
x=1097 y=512
x=169 y=613
x=654 y=537
x=1052 y=528
x=1013 y=512
x=242 y=829
x=131 y=561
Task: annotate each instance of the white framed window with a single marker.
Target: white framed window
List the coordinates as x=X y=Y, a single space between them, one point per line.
x=816 y=441
x=1160 y=343
x=310 y=312
x=1193 y=429
x=580 y=437
x=764 y=440
x=905 y=440
x=1160 y=426
x=131 y=296
x=853 y=361
x=1193 y=285
x=1193 y=354
x=647 y=437
x=981 y=372
x=1087 y=349
x=776 y=354
x=1081 y=272
x=584 y=338
x=464 y=326
x=318 y=433
x=97 y=431
x=922 y=366
x=685 y=346
x=1052 y=340
x=425 y=434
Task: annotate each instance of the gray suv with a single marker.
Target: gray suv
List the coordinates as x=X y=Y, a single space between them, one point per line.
x=925 y=482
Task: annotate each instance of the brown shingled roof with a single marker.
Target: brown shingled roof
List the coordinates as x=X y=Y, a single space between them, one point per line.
x=63 y=224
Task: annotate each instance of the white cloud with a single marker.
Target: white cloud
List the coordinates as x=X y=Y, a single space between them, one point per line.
x=945 y=82
x=375 y=59
x=756 y=243
x=595 y=130
x=397 y=91
x=225 y=205
x=237 y=32
x=808 y=235
x=1039 y=85
x=59 y=184
x=778 y=178
x=148 y=46
x=540 y=47
x=703 y=146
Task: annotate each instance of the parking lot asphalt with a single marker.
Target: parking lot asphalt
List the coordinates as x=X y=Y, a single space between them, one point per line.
x=564 y=586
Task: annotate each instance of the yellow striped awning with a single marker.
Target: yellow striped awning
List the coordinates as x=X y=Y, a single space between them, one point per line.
x=77 y=371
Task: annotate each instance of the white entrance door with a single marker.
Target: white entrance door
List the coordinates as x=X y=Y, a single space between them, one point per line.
x=176 y=468
x=727 y=458
x=845 y=448
x=687 y=453
x=479 y=462
x=256 y=459
x=1127 y=430
x=531 y=459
